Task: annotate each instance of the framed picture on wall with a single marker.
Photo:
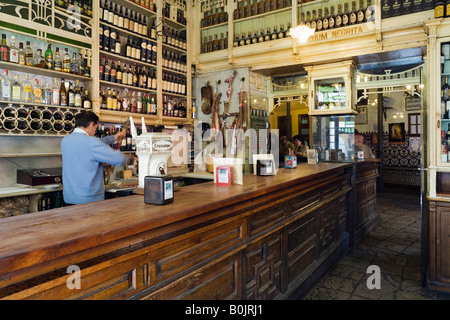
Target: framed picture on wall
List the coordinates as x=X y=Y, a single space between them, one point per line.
x=397 y=133
x=361 y=117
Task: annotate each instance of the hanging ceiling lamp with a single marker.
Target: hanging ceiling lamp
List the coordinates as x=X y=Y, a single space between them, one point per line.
x=301 y=32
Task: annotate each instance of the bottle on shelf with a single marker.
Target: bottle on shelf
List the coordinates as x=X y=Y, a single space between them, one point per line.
x=63 y=94
x=21 y=54
x=16 y=91
x=49 y=57
x=66 y=61
x=5 y=87
x=57 y=65
x=109 y=99
x=353 y=15
x=71 y=96
x=345 y=16
x=55 y=93
x=13 y=51
x=37 y=92
x=27 y=90
x=361 y=15
x=46 y=94
x=86 y=101
x=29 y=54
x=4 y=49
x=78 y=101
x=39 y=60
x=325 y=20
x=331 y=19
x=339 y=17
x=319 y=20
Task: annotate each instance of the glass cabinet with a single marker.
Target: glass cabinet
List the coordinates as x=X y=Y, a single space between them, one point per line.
x=331 y=88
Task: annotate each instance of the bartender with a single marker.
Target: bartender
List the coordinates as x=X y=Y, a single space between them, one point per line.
x=83 y=156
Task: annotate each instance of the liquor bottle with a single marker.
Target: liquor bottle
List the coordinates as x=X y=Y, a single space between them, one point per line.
x=194 y=111
x=154 y=80
x=86 y=101
x=153 y=107
x=361 y=15
x=176 y=110
x=27 y=90
x=21 y=57
x=153 y=30
x=439 y=9
x=47 y=94
x=114 y=101
x=70 y=96
x=77 y=96
x=120 y=19
x=274 y=35
x=113 y=72
x=319 y=21
x=13 y=51
x=55 y=93
x=48 y=57
x=445 y=89
x=106 y=71
x=112 y=40
x=28 y=54
x=339 y=17
x=39 y=60
x=267 y=36
x=444 y=147
x=261 y=36
x=66 y=61
x=4 y=49
x=103 y=100
x=109 y=99
x=128 y=139
x=57 y=62
x=63 y=94
x=74 y=64
x=119 y=73
x=16 y=92
x=133 y=102
x=124 y=75
x=353 y=16
x=248 y=40
x=154 y=49
x=37 y=92
x=325 y=20
x=143 y=56
x=345 y=16
x=5 y=87
x=134 y=79
x=125 y=100
x=331 y=19
x=139 y=103
x=308 y=19
x=314 y=20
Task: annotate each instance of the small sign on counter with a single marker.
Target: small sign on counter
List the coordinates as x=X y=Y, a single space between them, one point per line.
x=158 y=189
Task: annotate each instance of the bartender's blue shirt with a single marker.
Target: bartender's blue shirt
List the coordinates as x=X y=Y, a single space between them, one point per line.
x=82 y=162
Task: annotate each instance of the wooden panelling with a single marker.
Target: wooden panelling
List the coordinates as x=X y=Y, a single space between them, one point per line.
x=302 y=245
x=217 y=280
x=439 y=244
x=266 y=218
x=263 y=263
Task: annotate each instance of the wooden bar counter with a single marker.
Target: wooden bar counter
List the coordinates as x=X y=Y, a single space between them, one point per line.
x=270 y=238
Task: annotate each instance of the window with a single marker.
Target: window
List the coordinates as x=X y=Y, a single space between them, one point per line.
x=414 y=124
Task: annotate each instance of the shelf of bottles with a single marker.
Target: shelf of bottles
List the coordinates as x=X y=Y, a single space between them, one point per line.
x=445 y=102
x=322 y=16
x=400 y=7
x=214 y=26
x=42 y=85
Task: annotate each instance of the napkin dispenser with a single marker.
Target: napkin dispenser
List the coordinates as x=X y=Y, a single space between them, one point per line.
x=158 y=189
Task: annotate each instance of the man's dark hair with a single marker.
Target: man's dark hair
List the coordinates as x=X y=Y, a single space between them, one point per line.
x=83 y=119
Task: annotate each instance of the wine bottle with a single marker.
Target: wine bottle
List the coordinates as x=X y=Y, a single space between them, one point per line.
x=63 y=94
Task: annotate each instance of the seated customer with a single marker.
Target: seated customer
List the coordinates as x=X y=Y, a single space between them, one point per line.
x=360 y=146
x=285 y=146
x=300 y=149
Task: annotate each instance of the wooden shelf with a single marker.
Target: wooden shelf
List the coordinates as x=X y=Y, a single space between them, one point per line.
x=130 y=88
x=42 y=72
x=263 y=14
x=29 y=155
x=120 y=58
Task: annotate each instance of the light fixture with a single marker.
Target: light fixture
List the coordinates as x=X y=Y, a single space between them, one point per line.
x=301 y=32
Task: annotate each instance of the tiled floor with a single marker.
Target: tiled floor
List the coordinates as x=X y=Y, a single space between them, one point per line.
x=393 y=245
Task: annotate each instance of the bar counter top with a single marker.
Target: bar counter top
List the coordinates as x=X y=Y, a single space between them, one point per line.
x=41 y=238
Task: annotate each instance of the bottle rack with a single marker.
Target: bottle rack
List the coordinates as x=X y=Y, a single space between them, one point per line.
x=36 y=119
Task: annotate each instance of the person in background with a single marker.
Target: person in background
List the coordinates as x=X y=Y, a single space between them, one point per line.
x=83 y=156
x=300 y=149
x=360 y=146
x=285 y=146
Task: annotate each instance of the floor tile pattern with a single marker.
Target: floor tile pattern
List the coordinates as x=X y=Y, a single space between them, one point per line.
x=393 y=245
